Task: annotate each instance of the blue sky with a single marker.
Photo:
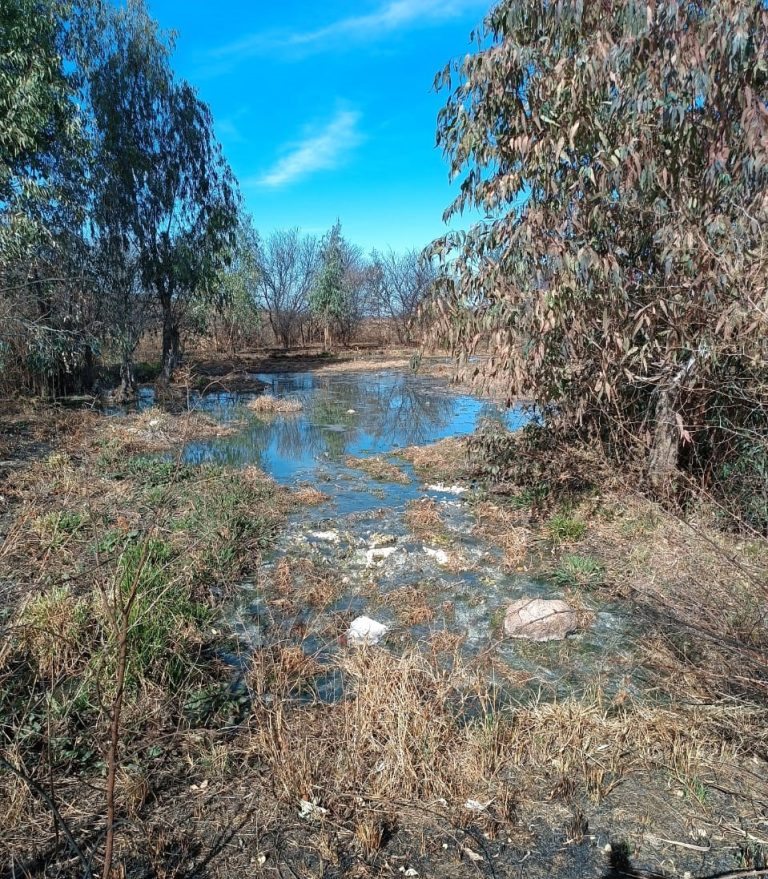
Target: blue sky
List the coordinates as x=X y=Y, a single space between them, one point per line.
x=326 y=110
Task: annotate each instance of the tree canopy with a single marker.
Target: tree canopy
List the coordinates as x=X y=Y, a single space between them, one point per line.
x=619 y=151
x=327 y=299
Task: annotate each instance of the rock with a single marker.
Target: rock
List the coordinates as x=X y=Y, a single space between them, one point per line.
x=364 y=630
x=351 y=412
x=538 y=619
x=439 y=555
x=378 y=554
x=447 y=489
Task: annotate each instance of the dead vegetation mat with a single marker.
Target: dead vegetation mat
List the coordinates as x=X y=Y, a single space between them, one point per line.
x=429 y=763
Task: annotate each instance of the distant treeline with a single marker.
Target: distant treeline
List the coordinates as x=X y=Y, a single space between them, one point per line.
x=120 y=216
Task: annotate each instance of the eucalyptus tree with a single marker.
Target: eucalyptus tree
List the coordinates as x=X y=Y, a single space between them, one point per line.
x=39 y=135
x=236 y=318
x=626 y=292
x=46 y=338
x=164 y=191
x=328 y=298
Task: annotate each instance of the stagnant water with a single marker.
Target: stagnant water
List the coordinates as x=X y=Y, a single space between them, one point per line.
x=365 y=414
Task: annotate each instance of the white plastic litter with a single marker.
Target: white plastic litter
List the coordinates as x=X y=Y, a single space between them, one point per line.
x=439 y=555
x=311 y=810
x=447 y=489
x=328 y=536
x=378 y=554
x=351 y=411
x=364 y=630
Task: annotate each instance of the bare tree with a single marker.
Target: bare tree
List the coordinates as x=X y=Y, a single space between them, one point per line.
x=288 y=263
x=399 y=284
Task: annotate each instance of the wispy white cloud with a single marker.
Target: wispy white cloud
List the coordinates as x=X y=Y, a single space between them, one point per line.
x=228 y=128
x=321 y=151
x=391 y=16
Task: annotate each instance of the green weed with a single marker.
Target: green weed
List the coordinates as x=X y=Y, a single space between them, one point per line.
x=56 y=527
x=565 y=528
x=162 y=617
x=577 y=571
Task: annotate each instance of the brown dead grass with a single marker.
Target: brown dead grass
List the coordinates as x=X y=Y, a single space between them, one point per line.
x=378 y=468
x=700 y=592
x=423 y=519
x=302 y=582
x=410 y=605
x=155 y=430
x=308 y=496
x=506 y=528
x=366 y=364
x=443 y=461
x=266 y=404
x=415 y=732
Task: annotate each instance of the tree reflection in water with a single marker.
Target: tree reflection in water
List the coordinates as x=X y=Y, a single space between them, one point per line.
x=343 y=414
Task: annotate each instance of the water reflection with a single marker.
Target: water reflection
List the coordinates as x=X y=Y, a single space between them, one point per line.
x=350 y=414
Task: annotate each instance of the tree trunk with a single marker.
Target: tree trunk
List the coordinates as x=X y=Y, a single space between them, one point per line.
x=88 y=376
x=665 y=447
x=170 y=340
x=664 y=459
x=126 y=390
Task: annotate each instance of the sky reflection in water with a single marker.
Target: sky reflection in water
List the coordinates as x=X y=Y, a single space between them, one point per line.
x=344 y=414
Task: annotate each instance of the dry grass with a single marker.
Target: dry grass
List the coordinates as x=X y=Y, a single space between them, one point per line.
x=423 y=519
x=379 y=469
x=300 y=582
x=367 y=363
x=443 y=461
x=266 y=404
x=155 y=430
x=308 y=496
x=701 y=594
x=506 y=528
x=410 y=605
x=414 y=732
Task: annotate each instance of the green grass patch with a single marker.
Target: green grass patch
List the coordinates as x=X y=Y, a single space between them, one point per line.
x=579 y=571
x=563 y=527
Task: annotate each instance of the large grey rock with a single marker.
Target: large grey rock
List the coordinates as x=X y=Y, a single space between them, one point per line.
x=538 y=619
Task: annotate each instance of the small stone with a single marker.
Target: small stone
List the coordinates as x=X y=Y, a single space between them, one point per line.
x=473 y=856
x=311 y=810
x=538 y=619
x=476 y=805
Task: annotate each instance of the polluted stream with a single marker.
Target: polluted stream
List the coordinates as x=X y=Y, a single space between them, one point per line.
x=353 y=554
